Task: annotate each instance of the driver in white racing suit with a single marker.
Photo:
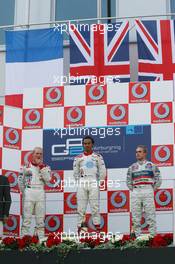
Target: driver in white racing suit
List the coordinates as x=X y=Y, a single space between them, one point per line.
x=89 y=169
x=32 y=179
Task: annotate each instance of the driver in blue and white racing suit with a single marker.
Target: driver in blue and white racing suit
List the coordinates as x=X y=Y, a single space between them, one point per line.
x=143 y=178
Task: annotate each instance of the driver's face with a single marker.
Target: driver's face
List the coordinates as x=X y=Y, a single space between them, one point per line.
x=140 y=154
x=87 y=144
x=37 y=156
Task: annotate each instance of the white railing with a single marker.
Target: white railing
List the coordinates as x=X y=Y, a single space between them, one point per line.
x=85 y=20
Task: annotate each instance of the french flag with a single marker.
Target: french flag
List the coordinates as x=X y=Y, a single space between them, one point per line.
x=34 y=58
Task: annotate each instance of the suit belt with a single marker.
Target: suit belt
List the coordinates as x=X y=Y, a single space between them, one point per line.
x=142 y=186
x=83 y=176
x=35 y=187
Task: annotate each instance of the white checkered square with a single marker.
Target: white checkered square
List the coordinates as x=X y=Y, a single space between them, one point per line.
x=96 y=116
x=33 y=98
x=53 y=117
x=32 y=138
x=74 y=95
x=139 y=114
x=117 y=93
x=12 y=117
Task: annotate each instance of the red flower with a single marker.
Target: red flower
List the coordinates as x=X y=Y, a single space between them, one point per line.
x=21 y=243
x=125 y=239
x=168 y=237
x=8 y=241
x=27 y=239
x=34 y=240
x=93 y=241
x=53 y=240
x=158 y=241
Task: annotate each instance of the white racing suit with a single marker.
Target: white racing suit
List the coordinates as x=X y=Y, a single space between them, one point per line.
x=88 y=170
x=32 y=179
x=142 y=179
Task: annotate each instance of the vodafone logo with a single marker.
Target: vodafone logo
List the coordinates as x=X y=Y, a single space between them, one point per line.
x=12 y=136
x=32 y=117
x=74 y=116
x=162 y=153
x=11 y=224
x=71 y=112
x=56 y=180
x=53 y=94
x=161 y=110
x=13 y=178
x=139 y=91
x=52 y=223
x=121 y=196
x=27 y=157
x=71 y=201
x=100 y=90
x=121 y=112
x=91 y=225
x=163 y=197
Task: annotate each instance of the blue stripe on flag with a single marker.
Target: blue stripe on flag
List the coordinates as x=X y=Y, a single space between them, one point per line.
x=33 y=45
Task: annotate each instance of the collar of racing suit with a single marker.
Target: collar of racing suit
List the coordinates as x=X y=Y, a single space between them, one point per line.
x=41 y=166
x=87 y=154
x=34 y=164
x=140 y=162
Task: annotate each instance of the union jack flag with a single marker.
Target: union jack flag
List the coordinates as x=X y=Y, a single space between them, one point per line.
x=100 y=51
x=156 y=50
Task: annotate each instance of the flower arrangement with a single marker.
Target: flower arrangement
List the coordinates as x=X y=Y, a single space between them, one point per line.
x=66 y=245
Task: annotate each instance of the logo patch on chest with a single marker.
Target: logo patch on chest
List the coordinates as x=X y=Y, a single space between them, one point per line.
x=89 y=164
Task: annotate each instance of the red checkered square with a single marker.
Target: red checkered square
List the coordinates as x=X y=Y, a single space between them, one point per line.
x=12 y=138
x=117 y=114
x=53 y=96
x=96 y=94
x=139 y=92
x=32 y=118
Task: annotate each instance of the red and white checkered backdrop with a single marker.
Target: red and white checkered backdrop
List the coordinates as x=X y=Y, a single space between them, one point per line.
x=18 y=137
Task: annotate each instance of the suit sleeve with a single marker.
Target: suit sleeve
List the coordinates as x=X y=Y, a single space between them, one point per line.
x=157 y=177
x=129 y=182
x=7 y=197
x=101 y=168
x=21 y=179
x=76 y=168
x=46 y=174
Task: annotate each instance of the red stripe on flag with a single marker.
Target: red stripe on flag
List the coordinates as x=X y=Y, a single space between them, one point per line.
x=149 y=38
x=118 y=42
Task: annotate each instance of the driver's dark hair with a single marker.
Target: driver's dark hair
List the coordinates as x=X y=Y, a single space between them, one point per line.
x=88 y=137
